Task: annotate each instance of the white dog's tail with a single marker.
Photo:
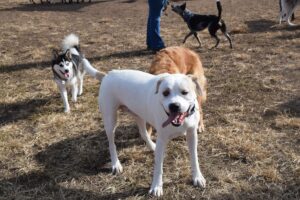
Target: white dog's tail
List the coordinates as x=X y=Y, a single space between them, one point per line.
x=70 y=41
x=91 y=70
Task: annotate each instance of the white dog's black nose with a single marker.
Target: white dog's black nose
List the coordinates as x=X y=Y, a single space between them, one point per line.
x=174 y=107
x=66 y=70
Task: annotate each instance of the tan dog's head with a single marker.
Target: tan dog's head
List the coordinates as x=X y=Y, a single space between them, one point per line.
x=177 y=95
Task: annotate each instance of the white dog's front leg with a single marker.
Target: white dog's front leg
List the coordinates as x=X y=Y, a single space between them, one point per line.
x=64 y=95
x=74 y=91
x=192 y=140
x=157 y=184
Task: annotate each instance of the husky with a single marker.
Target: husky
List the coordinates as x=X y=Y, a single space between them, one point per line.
x=198 y=22
x=287 y=9
x=69 y=68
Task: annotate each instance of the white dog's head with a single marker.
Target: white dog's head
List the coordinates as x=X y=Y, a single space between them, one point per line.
x=177 y=95
x=62 y=65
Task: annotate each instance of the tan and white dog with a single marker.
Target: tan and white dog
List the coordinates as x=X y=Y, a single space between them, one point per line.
x=168 y=102
x=181 y=60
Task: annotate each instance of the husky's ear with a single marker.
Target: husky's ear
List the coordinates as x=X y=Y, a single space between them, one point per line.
x=183 y=6
x=197 y=85
x=55 y=54
x=68 y=54
x=158 y=84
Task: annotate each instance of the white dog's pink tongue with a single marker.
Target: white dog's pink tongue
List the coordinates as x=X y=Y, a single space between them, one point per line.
x=67 y=75
x=176 y=118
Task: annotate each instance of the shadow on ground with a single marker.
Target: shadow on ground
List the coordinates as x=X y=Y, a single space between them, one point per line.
x=21 y=110
x=263 y=25
x=290 y=108
x=46 y=64
x=67 y=160
x=56 y=7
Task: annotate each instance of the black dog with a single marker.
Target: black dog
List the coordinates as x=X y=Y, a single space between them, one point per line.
x=197 y=22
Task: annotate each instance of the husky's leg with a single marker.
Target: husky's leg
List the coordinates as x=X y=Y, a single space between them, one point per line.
x=64 y=95
x=74 y=91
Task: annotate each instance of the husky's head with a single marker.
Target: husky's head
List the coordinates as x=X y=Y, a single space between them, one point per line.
x=177 y=96
x=179 y=8
x=62 y=64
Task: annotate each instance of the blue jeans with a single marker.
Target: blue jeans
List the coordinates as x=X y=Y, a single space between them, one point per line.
x=154 y=41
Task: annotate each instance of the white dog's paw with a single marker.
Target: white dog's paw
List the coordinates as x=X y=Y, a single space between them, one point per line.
x=67 y=110
x=74 y=99
x=117 y=168
x=156 y=191
x=199 y=181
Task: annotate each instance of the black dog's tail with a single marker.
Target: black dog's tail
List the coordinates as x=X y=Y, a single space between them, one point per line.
x=219 y=6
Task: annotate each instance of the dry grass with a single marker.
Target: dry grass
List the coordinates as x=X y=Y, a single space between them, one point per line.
x=251 y=146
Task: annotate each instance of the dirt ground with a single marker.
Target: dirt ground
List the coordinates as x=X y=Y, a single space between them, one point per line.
x=249 y=150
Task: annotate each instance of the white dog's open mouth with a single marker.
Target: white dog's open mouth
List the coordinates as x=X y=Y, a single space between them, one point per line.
x=66 y=74
x=176 y=119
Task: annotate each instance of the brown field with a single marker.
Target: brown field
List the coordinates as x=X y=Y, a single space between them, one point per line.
x=251 y=146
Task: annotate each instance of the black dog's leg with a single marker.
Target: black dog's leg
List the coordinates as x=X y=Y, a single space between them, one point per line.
x=212 y=31
x=224 y=31
x=218 y=40
x=188 y=35
x=229 y=39
x=199 y=41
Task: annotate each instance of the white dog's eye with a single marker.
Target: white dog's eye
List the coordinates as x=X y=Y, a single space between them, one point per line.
x=61 y=65
x=183 y=92
x=166 y=93
x=67 y=63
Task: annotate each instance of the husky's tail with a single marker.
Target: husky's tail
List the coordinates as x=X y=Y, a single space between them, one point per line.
x=91 y=70
x=70 y=41
x=219 y=6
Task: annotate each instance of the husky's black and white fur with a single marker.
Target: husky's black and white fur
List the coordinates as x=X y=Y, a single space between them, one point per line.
x=69 y=68
x=287 y=9
x=198 y=22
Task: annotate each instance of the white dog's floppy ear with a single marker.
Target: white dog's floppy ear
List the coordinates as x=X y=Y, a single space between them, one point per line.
x=197 y=87
x=158 y=84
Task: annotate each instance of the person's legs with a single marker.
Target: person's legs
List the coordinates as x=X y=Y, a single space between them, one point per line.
x=154 y=41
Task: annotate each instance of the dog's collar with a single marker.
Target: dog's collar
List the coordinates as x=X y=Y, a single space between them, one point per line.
x=191 y=110
x=187 y=15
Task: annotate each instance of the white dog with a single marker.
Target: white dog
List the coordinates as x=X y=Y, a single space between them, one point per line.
x=69 y=68
x=166 y=101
